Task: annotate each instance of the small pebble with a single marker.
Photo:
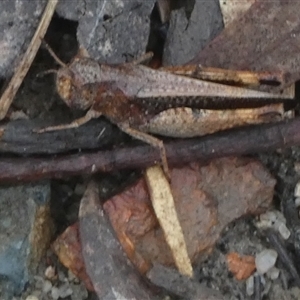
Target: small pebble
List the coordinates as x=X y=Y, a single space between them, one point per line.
x=273 y=216
x=18 y=115
x=276 y=220
x=283 y=230
x=54 y=293
x=79 y=292
x=65 y=290
x=50 y=273
x=265 y=260
x=297 y=201
x=32 y=297
x=268 y=219
x=39 y=281
x=273 y=273
x=297 y=190
x=79 y=189
x=297 y=167
x=261 y=279
x=72 y=277
x=266 y=290
x=37 y=293
x=250 y=286
x=47 y=286
x=61 y=276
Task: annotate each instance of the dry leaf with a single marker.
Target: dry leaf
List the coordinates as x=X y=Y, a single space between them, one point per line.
x=165 y=211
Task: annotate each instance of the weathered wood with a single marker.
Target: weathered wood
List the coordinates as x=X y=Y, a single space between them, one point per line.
x=261 y=138
x=111 y=272
x=18 y=137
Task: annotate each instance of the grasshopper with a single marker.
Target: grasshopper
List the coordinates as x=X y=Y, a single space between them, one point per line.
x=171 y=102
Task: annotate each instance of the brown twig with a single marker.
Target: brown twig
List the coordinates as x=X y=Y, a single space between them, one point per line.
x=15 y=82
x=262 y=138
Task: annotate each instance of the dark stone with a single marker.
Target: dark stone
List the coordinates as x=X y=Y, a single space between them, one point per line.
x=187 y=35
x=18 y=22
x=111 y=31
x=25 y=232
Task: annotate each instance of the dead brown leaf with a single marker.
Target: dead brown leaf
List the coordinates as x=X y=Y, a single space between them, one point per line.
x=165 y=211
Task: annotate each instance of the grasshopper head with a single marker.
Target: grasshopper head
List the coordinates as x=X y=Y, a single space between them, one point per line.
x=71 y=80
x=72 y=90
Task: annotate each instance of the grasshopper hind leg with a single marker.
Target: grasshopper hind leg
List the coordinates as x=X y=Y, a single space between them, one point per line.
x=151 y=140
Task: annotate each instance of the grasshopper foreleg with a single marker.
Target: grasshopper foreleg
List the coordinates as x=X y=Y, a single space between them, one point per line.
x=91 y=114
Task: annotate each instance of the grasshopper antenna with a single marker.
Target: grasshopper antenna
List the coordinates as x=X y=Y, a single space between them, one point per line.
x=43 y=73
x=56 y=58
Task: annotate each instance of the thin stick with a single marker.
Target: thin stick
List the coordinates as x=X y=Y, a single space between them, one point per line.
x=27 y=60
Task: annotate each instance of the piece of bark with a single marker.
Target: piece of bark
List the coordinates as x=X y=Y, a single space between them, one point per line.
x=264 y=38
x=241 y=141
x=18 y=137
x=111 y=272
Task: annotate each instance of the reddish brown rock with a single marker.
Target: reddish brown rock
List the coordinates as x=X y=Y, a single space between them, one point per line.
x=68 y=249
x=207 y=199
